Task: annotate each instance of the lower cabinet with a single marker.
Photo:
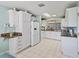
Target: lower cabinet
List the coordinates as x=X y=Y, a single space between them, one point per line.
x=69 y=46
x=53 y=35
x=16 y=45
x=42 y=35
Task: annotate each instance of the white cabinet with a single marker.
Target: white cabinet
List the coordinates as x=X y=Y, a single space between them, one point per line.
x=64 y=23
x=69 y=46
x=71 y=17
x=47 y=34
x=53 y=35
x=78 y=30
x=78 y=21
x=15 y=45
x=20 y=44
x=27 y=29
x=22 y=23
x=42 y=35
x=12 y=17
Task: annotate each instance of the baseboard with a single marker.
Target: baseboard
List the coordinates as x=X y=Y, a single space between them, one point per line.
x=24 y=49
x=52 y=39
x=35 y=44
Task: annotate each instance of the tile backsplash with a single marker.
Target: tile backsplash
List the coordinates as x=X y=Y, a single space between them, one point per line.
x=54 y=26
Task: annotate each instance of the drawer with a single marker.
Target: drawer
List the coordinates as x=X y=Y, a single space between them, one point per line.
x=19 y=37
x=19 y=41
x=25 y=44
x=19 y=44
x=19 y=49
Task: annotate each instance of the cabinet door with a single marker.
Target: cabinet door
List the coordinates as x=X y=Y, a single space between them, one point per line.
x=47 y=34
x=11 y=17
x=16 y=22
x=42 y=34
x=69 y=46
x=53 y=35
x=13 y=46
x=78 y=29
x=26 y=30
x=26 y=34
x=72 y=17
x=19 y=44
x=64 y=23
x=58 y=35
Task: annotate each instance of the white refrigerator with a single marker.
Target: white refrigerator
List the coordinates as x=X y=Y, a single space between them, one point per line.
x=35 y=33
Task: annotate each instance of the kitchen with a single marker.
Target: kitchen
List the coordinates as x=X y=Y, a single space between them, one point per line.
x=51 y=28
x=39 y=29
x=66 y=31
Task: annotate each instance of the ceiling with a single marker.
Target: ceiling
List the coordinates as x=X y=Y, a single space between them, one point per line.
x=51 y=7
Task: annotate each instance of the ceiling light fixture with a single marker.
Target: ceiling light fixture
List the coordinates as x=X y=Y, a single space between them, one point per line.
x=54 y=15
x=46 y=14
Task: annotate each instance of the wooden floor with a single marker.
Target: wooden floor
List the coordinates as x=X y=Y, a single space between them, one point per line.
x=47 y=48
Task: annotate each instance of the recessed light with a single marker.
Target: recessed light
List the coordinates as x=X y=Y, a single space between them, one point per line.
x=54 y=15
x=47 y=15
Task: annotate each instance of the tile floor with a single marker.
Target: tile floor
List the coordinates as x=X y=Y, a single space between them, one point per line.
x=47 y=48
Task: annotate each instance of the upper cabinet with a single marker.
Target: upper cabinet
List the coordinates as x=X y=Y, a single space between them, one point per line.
x=71 y=17
x=64 y=23
x=11 y=14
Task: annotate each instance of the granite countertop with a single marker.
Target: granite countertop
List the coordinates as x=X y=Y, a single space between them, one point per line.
x=11 y=35
x=68 y=35
x=52 y=30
